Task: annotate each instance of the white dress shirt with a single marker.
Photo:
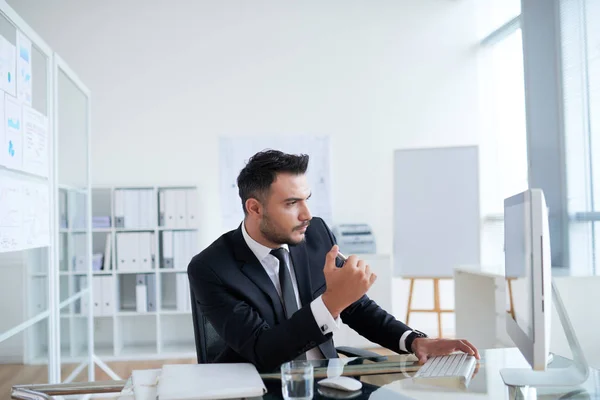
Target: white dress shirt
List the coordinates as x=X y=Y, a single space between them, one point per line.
x=324 y=319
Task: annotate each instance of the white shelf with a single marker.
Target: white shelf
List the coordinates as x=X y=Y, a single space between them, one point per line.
x=148 y=229
x=175 y=312
x=138 y=350
x=104 y=350
x=171 y=270
x=135 y=313
x=162 y=228
x=102 y=230
x=144 y=271
x=183 y=350
x=67 y=230
x=39 y=274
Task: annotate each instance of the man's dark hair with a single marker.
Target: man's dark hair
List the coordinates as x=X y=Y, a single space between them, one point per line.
x=254 y=181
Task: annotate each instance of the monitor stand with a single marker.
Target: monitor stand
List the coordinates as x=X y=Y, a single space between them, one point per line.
x=575 y=374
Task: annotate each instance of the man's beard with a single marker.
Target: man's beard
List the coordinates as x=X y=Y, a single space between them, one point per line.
x=270 y=232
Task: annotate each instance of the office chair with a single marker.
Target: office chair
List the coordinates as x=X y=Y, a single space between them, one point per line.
x=209 y=344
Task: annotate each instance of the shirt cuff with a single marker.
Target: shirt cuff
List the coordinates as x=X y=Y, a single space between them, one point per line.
x=403 y=341
x=325 y=321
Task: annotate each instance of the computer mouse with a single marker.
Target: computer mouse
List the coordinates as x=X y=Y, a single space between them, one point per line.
x=342 y=383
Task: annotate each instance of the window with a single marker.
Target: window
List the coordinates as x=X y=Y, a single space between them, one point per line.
x=503 y=146
x=580 y=49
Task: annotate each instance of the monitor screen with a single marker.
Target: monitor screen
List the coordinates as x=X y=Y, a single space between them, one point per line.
x=518 y=260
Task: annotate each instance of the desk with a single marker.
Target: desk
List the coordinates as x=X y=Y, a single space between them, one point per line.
x=390 y=380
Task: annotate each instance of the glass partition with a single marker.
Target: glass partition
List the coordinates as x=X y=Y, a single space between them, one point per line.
x=74 y=215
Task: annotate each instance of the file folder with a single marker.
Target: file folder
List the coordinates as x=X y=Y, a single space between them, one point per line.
x=161 y=207
x=167 y=249
x=191 y=204
x=151 y=292
x=119 y=207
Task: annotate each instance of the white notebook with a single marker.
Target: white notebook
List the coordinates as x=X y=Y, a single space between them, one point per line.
x=209 y=381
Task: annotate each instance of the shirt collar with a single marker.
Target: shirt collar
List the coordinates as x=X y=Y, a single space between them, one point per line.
x=260 y=251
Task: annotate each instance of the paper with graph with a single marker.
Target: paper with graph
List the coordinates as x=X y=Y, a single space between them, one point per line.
x=35 y=142
x=11 y=232
x=8 y=82
x=12 y=150
x=234 y=153
x=24 y=214
x=24 y=78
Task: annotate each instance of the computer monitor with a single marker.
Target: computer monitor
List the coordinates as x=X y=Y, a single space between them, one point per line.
x=527 y=258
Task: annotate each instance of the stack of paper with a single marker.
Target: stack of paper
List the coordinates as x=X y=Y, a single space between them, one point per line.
x=209 y=381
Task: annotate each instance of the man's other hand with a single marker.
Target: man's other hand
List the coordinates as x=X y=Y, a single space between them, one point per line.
x=347 y=284
x=426 y=347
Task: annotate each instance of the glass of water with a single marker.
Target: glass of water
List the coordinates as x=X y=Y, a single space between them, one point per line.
x=297 y=380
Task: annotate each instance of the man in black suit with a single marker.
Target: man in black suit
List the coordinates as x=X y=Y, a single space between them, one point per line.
x=272 y=289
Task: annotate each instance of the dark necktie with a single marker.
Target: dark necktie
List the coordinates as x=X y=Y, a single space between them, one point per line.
x=285 y=280
x=287 y=289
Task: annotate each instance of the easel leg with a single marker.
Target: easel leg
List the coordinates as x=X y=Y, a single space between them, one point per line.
x=410 y=296
x=436 y=304
x=510 y=296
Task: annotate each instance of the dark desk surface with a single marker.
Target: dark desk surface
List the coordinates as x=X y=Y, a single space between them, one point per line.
x=391 y=379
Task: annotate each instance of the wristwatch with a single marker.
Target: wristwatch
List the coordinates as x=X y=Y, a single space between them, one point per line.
x=411 y=337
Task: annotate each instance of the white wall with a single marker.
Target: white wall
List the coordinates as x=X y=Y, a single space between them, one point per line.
x=169 y=77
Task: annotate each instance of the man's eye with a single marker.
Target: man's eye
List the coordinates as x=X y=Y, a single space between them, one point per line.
x=291 y=203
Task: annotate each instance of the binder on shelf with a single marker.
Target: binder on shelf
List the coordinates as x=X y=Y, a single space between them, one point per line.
x=119 y=207
x=161 y=207
x=191 y=205
x=80 y=250
x=106 y=260
x=145 y=208
x=180 y=209
x=167 y=249
x=170 y=208
x=182 y=292
x=62 y=200
x=108 y=295
x=132 y=206
x=151 y=292
x=141 y=294
x=144 y=240
x=122 y=254
x=97 y=289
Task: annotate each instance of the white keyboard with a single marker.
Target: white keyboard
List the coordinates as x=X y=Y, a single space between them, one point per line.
x=454 y=370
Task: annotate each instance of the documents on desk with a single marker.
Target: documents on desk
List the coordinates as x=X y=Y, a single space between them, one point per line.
x=198 y=381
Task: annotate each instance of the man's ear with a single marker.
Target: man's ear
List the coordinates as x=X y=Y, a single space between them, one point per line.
x=253 y=207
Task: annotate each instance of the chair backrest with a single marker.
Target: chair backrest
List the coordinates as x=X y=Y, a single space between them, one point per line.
x=208 y=342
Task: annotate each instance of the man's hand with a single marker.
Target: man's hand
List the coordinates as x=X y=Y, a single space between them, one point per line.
x=347 y=284
x=426 y=347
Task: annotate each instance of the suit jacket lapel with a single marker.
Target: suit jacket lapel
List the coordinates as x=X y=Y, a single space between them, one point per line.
x=254 y=270
x=299 y=257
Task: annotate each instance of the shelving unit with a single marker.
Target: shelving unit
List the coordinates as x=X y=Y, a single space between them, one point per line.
x=125 y=333
x=121 y=332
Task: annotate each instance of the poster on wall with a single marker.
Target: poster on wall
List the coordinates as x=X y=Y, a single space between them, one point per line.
x=36 y=214
x=13 y=134
x=24 y=214
x=35 y=142
x=234 y=153
x=11 y=232
x=24 y=78
x=8 y=64
x=3 y=147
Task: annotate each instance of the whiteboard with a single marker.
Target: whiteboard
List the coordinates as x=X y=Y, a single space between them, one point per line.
x=436 y=211
x=234 y=153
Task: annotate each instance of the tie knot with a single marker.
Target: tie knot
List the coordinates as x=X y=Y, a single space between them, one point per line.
x=280 y=254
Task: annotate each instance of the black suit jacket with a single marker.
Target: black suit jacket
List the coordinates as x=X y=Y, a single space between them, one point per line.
x=239 y=299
